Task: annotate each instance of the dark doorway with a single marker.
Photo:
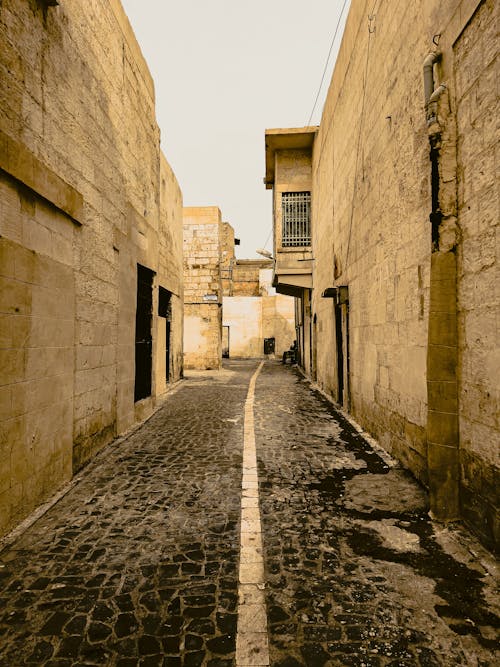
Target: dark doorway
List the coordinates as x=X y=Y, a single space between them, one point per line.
x=340 y=354
x=143 y=337
x=314 y=348
x=165 y=310
x=225 y=342
x=269 y=345
x=345 y=340
x=342 y=337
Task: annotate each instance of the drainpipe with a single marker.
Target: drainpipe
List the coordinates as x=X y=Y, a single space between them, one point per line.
x=434 y=139
x=428 y=67
x=432 y=105
x=443 y=463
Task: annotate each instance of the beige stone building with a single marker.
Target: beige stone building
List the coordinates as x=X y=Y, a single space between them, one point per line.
x=257 y=322
x=386 y=231
x=90 y=247
x=203 y=245
x=230 y=307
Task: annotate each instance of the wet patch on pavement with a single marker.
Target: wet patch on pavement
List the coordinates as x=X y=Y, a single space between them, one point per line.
x=356 y=574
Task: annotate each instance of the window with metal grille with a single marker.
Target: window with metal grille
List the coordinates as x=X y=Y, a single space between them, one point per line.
x=296 y=219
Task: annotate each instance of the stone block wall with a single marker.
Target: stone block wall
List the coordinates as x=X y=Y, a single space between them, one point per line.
x=203 y=237
x=293 y=174
x=228 y=257
x=371 y=199
x=253 y=318
x=278 y=321
x=243 y=316
x=37 y=329
x=422 y=305
x=246 y=276
x=478 y=267
x=85 y=197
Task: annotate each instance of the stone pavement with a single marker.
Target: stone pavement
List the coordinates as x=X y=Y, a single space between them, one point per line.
x=138 y=564
x=356 y=573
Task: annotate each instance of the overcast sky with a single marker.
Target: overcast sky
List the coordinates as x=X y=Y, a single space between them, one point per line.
x=224 y=71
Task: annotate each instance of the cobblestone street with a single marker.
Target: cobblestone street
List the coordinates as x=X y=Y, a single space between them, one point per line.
x=138 y=563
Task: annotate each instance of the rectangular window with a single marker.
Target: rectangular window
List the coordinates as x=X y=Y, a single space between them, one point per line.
x=296 y=219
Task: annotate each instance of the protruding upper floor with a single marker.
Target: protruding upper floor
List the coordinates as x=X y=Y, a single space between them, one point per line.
x=289 y=174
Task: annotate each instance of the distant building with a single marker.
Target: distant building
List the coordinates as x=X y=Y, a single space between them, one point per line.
x=257 y=322
x=289 y=174
x=203 y=238
x=90 y=245
x=386 y=232
x=230 y=306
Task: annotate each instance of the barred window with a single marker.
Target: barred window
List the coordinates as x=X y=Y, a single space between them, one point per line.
x=296 y=222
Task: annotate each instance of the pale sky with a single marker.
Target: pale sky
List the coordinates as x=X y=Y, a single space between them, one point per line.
x=224 y=71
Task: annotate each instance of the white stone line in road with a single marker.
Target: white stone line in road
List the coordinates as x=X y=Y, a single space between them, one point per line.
x=252 y=645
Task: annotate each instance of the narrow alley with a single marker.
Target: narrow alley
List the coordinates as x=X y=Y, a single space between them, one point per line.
x=145 y=559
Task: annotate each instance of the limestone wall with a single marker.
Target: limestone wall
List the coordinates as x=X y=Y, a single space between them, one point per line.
x=85 y=197
x=370 y=223
x=228 y=257
x=246 y=276
x=203 y=238
x=371 y=232
x=252 y=318
x=476 y=79
x=278 y=321
x=243 y=316
x=293 y=174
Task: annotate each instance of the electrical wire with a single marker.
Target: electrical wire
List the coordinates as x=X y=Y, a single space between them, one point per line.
x=267 y=240
x=327 y=61
x=371 y=30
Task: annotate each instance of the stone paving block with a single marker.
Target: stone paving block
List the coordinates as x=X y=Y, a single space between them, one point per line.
x=250 y=484
x=252 y=572
x=249 y=502
x=253 y=616
x=251 y=594
x=250 y=514
x=251 y=649
x=250 y=525
x=251 y=539
x=250 y=493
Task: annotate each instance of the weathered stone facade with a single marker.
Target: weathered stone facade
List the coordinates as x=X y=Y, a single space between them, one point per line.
x=402 y=317
x=230 y=305
x=246 y=277
x=87 y=203
x=203 y=240
x=475 y=55
x=253 y=312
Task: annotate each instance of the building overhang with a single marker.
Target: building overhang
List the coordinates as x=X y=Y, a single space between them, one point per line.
x=289 y=290
x=292 y=284
x=282 y=139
